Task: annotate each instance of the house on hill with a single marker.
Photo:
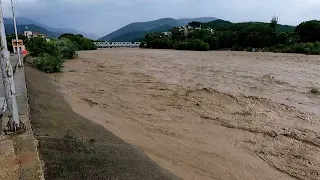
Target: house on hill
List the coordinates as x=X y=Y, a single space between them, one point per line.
x=37 y=34
x=31 y=34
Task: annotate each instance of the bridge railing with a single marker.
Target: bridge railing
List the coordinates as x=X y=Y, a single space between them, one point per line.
x=117 y=44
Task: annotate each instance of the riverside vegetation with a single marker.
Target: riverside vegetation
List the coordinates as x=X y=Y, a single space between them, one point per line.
x=216 y=35
x=51 y=54
x=224 y=35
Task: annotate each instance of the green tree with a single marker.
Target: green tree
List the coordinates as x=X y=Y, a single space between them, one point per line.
x=243 y=36
x=212 y=41
x=192 y=44
x=67 y=48
x=274 y=22
x=177 y=34
x=48 y=63
x=82 y=42
x=198 y=34
x=38 y=46
x=195 y=24
x=158 y=41
x=309 y=31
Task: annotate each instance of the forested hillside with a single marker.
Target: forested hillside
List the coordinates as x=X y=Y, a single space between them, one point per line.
x=137 y=30
x=223 y=35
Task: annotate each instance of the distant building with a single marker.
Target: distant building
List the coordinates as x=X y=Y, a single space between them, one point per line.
x=31 y=34
x=18 y=46
x=37 y=34
x=167 y=33
x=27 y=34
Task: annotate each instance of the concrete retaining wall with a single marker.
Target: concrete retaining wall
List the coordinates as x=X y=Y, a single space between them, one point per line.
x=19 y=152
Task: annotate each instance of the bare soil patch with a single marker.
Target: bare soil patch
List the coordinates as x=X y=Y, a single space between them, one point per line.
x=205 y=115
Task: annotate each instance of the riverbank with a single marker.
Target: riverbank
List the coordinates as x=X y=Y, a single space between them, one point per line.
x=73 y=147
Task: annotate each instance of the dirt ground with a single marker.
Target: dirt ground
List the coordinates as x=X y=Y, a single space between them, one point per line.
x=10 y=166
x=205 y=115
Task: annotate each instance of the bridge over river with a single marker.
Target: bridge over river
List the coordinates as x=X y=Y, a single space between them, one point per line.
x=107 y=44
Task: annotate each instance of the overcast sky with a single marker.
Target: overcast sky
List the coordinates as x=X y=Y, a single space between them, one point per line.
x=104 y=16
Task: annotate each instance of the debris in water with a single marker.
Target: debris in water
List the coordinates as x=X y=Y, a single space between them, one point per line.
x=315 y=91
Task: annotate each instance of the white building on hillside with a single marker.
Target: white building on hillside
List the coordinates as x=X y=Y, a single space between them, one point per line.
x=29 y=34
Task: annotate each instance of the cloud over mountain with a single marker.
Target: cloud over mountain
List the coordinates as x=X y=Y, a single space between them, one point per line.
x=104 y=16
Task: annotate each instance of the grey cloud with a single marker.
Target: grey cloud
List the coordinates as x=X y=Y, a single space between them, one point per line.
x=103 y=16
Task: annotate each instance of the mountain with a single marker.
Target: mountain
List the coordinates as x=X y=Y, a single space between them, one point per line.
x=47 y=30
x=150 y=26
x=72 y=31
x=21 y=21
x=137 y=35
x=21 y=28
x=185 y=21
x=32 y=27
x=140 y=26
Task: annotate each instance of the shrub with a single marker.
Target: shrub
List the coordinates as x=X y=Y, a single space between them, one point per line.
x=62 y=47
x=249 y=49
x=82 y=42
x=212 y=41
x=143 y=44
x=67 y=48
x=304 y=48
x=237 y=48
x=50 y=54
x=309 y=31
x=194 y=44
x=38 y=46
x=160 y=43
x=180 y=45
x=48 y=63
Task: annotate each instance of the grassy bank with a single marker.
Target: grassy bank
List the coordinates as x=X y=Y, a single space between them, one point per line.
x=73 y=147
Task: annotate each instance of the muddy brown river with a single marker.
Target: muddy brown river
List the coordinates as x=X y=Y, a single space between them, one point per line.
x=205 y=115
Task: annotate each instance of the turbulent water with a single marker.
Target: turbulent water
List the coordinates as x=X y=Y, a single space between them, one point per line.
x=205 y=115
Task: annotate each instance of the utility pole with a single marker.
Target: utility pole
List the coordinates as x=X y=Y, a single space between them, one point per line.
x=7 y=76
x=16 y=32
